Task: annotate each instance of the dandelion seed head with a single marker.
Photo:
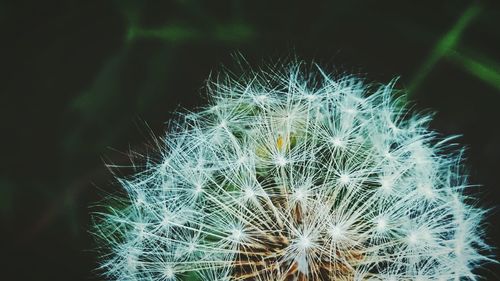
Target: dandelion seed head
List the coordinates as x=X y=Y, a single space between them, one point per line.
x=304 y=242
x=296 y=175
x=168 y=272
x=337 y=142
x=237 y=234
x=336 y=232
x=381 y=224
x=345 y=179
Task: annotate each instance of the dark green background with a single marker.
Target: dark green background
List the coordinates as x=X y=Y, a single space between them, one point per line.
x=81 y=79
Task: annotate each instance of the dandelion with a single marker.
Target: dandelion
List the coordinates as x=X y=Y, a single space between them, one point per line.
x=296 y=175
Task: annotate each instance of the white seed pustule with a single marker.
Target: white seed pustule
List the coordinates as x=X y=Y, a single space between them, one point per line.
x=296 y=175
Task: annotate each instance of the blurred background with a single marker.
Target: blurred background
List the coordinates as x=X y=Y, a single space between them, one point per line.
x=84 y=82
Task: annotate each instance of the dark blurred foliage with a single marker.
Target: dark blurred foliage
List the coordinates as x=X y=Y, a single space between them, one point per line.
x=84 y=82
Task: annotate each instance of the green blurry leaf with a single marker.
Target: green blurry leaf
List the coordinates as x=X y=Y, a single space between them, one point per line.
x=175 y=33
x=235 y=32
x=171 y=33
x=479 y=67
x=443 y=46
x=105 y=88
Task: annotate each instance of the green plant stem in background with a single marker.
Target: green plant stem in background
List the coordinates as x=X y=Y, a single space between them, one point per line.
x=481 y=68
x=230 y=32
x=172 y=33
x=444 y=46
